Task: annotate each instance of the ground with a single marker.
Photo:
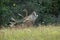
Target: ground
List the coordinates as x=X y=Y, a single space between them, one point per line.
x=31 y=33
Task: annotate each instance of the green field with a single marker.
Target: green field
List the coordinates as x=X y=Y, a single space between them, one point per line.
x=39 y=33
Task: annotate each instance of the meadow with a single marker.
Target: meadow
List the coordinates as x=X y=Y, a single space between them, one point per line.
x=31 y=33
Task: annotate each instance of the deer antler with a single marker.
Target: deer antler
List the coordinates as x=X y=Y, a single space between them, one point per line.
x=25 y=10
x=20 y=15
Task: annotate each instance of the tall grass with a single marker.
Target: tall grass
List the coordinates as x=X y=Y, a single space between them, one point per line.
x=39 y=33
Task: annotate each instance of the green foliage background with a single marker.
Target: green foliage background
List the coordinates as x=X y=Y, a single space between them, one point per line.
x=46 y=9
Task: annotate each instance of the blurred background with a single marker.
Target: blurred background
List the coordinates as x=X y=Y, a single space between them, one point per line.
x=48 y=11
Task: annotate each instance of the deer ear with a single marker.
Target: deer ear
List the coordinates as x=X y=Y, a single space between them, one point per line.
x=34 y=13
